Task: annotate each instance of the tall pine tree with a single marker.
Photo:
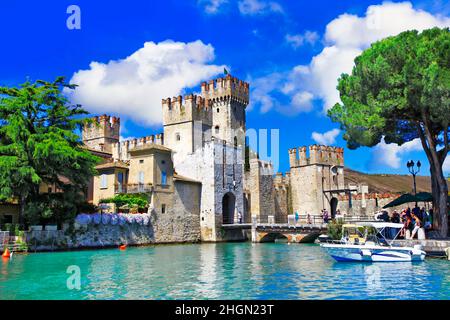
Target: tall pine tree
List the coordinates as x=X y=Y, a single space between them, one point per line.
x=39 y=146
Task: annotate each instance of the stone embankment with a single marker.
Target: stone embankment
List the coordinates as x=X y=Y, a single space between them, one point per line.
x=109 y=230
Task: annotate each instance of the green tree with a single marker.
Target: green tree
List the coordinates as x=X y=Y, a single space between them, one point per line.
x=399 y=89
x=39 y=145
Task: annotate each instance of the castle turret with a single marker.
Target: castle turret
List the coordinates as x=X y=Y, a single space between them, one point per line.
x=185 y=123
x=102 y=134
x=228 y=98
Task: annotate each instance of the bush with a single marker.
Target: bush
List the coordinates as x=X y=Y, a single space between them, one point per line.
x=138 y=200
x=335 y=229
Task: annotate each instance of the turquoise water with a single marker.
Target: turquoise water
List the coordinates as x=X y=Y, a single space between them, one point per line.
x=219 y=271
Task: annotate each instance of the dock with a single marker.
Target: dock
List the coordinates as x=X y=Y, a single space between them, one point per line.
x=432 y=247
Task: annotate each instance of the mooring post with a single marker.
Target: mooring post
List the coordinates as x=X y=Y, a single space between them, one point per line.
x=254 y=223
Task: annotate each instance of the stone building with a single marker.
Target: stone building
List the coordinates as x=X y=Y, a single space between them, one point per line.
x=196 y=167
x=316 y=179
x=195 y=174
x=207 y=136
x=196 y=178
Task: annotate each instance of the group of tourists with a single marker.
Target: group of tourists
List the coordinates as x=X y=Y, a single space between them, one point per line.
x=413 y=220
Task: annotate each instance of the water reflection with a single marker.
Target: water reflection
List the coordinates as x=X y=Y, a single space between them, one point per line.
x=219 y=271
x=207 y=279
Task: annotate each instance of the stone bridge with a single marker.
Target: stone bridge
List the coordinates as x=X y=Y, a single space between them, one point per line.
x=269 y=232
x=307 y=233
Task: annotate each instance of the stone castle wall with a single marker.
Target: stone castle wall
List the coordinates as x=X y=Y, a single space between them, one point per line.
x=219 y=167
x=281 y=198
x=260 y=190
x=172 y=227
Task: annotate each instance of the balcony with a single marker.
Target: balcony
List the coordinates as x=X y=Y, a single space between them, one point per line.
x=133 y=188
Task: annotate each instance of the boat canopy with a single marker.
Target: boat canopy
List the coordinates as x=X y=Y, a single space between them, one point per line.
x=380 y=225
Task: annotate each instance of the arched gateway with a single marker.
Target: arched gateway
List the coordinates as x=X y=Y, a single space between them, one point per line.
x=228 y=205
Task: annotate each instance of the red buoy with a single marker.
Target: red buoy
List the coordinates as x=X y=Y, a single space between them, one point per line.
x=6 y=253
x=123 y=247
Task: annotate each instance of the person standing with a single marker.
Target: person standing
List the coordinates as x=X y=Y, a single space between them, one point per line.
x=325 y=216
x=417 y=225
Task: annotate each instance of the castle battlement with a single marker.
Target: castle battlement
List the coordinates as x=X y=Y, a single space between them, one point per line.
x=317 y=154
x=120 y=150
x=281 y=180
x=227 y=87
x=191 y=108
x=102 y=133
x=103 y=126
x=264 y=167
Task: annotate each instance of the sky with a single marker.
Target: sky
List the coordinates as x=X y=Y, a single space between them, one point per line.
x=127 y=56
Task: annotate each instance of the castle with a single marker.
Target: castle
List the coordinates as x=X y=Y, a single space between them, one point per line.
x=195 y=173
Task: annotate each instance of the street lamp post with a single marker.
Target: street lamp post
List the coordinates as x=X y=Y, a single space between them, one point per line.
x=411 y=167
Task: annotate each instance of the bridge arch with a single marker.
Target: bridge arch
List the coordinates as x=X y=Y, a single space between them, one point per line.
x=273 y=236
x=228 y=208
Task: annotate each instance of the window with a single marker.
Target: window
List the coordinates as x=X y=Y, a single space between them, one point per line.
x=217 y=129
x=119 y=182
x=141 y=177
x=163 y=208
x=163 y=178
x=218 y=110
x=235 y=142
x=103 y=181
x=177 y=137
x=49 y=190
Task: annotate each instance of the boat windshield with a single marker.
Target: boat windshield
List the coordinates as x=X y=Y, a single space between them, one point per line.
x=385 y=232
x=354 y=234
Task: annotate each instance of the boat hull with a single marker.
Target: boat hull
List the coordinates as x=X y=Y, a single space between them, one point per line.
x=361 y=253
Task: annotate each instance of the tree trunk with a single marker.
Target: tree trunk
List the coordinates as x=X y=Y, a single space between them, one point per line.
x=441 y=201
x=436 y=195
x=438 y=182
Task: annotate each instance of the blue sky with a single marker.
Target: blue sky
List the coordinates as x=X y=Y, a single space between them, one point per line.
x=127 y=56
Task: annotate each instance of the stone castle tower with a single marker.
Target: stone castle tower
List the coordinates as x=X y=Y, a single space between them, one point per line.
x=103 y=134
x=207 y=134
x=316 y=180
x=218 y=112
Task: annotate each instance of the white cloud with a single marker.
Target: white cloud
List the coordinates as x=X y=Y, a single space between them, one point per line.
x=327 y=138
x=258 y=7
x=348 y=35
x=298 y=40
x=212 y=6
x=302 y=101
x=134 y=86
x=345 y=38
x=391 y=155
x=446 y=165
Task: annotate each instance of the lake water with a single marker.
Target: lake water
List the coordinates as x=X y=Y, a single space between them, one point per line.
x=218 y=271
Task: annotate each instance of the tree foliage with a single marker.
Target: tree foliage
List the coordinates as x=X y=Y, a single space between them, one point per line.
x=139 y=200
x=399 y=90
x=39 y=147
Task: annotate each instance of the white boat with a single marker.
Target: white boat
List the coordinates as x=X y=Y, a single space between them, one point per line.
x=357 y=244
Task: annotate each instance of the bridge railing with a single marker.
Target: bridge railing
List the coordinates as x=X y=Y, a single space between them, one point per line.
x=309 y=220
